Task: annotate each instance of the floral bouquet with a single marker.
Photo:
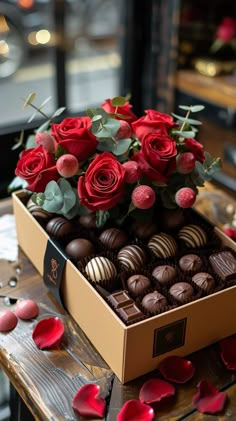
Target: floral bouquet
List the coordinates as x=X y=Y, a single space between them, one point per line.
x=113 y=163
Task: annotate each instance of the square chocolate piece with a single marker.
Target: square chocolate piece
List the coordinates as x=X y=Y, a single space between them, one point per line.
x=224 y=265
x=119 y=299
x=130 y=313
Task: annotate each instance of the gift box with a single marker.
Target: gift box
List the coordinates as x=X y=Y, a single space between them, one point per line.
x=131 y=350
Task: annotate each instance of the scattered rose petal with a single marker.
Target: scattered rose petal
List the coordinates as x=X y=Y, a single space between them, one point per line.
x=134 y=410
x=88 y=403
x=48 y=332
x=176 y=369
x=228 y=352
x=26 y=309
x=8 y=320
x=208 y=400
x=154 y=390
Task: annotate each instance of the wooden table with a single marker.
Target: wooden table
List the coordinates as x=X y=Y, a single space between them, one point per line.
x=47 y=380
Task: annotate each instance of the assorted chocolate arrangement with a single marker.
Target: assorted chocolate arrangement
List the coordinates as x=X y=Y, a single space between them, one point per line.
x=140 y=269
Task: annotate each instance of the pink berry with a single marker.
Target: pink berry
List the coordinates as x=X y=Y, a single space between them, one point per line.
x=46 y=140
x=124 y=131
x=8 y=320
x=143 y=197
x=185 y=197
x=132 y=171
x=185 y=162
x=67 y=165
x=27 y=309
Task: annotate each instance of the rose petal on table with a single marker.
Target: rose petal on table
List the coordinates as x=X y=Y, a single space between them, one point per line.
x=208 y=400
x=26 y=309
x=228 y=352
x=176 y=369
x=134 y=410
x=48 y=332
x=154 y=390
x=88 y=403
x=8 y=320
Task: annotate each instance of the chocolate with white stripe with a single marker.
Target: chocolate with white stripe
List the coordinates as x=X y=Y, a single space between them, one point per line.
x=193 y=235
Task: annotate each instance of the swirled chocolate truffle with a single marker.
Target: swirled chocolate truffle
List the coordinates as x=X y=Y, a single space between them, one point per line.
x=88 y=221
x=59 y=227
x=154 y=302
x=144 y=230
x=113 y=238
x=38 y=212
x=164 y=274
x=137 y=284
x=131 y=257
x=193 y=235
x=100 y=269
x=172 y=219
x=163 y=245
x=190 y=262
x=181 y=292
x=204 y=281
x=79 y=248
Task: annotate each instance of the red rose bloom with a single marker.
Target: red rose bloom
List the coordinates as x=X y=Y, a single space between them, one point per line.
x=103 y=184
x=196 y=148
x=124 y=110
x=37 y=167
x=226 y=31
x=153 y=121
x=157 y=157
x=73 y=135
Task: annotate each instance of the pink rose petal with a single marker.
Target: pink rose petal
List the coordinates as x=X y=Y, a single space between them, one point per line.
x=228 y=352
x=135 y=411
x=208 y=400
x=88 y=403
x=154 y=390
x=176 y=369
x=48 y=332
x=8 y=320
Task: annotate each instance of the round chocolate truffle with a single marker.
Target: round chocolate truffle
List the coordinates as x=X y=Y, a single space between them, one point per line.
x=113 y=238
x=137 y=284
x=131 y=257
x=163 y=245
x=100 y=269
x=79 y=248
x=59 y=227
x=164 y=274
x=204 y=281
x=154 y=302
x=193 y=235
x=181 y=292
x=38 y=212
x=144 y=230
x=190 y=262
x=88 y=221
x=172 y=219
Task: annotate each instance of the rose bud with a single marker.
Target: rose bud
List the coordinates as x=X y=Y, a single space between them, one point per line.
x=132 y=171
x=185 y=162
x=46 y=140
x=124 y=131
x=67 y=165
x=185 y=197
x=143 y=197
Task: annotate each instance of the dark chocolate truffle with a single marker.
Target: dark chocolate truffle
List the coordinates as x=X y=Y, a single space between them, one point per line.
x=193 y=235
x=224 y=265
x=79 y=248
x=38 y=212
x=164 y=274
x=204 y=281
x=190 y=262
x=163 y=245
x=59 y=227
x=137 y=284
x=144 y=230
x=172 y=219
x=88 y=221
x=181 y=292
x=154 y=302
x=113 y=238
x=131 y=257
x=100 y=269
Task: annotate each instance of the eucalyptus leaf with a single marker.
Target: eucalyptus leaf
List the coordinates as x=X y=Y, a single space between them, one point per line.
x=109 y=129
x=30 y=142
x=31 y=97
x=196 y=108
x=16 y=184
x=54 y=199
x=187 y=134
x=69 y=195
x=118 y=101
x=43 y=127
x=97 y=117
x=105 y=146
x=32 y=117
x=121 y=146
x=58 y=112
x=45 y=102
x=102 y=217
x=187 y=120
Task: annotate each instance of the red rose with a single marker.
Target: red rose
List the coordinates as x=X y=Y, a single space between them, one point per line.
x=153 y=121
x=125 y=110
x=37 y=167
x=226 y=31
x=103 y=184
x=157 y=156
x=73 y=134
x=196 y=148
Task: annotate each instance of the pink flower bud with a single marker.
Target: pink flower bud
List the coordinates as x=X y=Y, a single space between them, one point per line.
x=46 y=140
x=124 y=131
x=185 y=162
x=132 y=171
x=67 y=165
x=185 y=197
x=143 y=197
